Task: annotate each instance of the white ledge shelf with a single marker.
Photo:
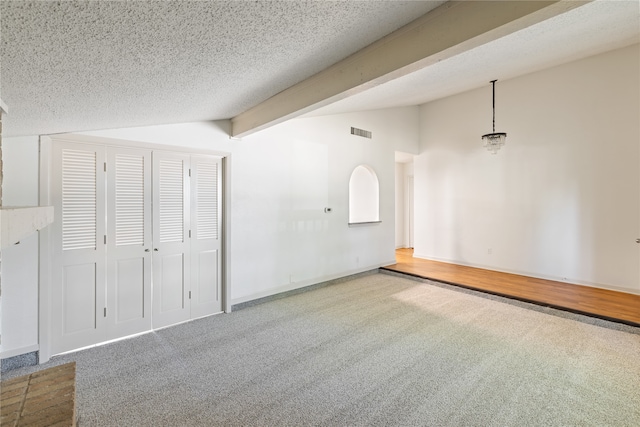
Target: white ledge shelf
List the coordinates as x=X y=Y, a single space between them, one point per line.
x=357 y=224
x=16 y=223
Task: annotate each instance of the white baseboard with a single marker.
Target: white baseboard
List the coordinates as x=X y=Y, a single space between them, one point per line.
x=305 y=283
x=569 y=281
x=5 y=354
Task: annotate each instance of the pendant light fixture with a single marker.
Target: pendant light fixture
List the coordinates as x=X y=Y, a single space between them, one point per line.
x=493 y=141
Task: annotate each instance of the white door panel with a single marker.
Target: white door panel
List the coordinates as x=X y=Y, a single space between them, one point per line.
x=207 y=276
x=171 y=289
x=171 y=220
x=78 y=293
x=129 y=291
x=136 y=241
x=206 y=194
x=128 y=241
x=78 y=273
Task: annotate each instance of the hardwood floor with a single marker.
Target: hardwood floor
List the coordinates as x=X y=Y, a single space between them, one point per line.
x=611 y=305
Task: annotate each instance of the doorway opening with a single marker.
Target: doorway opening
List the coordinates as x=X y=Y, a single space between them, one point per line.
x=404 y=200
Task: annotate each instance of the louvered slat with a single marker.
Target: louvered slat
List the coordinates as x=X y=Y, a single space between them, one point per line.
x=171 y=201
x=129 y=211
x=78 y=199
x=207 y=196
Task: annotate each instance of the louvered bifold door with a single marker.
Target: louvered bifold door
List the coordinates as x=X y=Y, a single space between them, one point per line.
x=171 y=221
x=128 y=241
x=78 y=264
x=206 y=210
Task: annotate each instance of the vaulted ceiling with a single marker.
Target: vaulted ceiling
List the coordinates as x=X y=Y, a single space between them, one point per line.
x=79 y=65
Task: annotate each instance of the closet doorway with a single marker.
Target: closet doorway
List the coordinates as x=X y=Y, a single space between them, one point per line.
x=136 y=241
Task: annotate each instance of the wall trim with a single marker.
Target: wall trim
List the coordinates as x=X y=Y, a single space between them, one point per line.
x=530 y=274
x=301 y=290
x=309 y=282
x=127 y=143
x=19 y=351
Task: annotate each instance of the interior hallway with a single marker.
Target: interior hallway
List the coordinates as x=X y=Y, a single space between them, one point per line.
x=607 y=304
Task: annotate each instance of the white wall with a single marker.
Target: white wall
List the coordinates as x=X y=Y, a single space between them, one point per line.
x=400 y=204
x=283 y=178
x=403 y=121
x=404 y=171
x=292 y=172
x=561 y=199
x=199 y=135
x=281 y=181
x=20 y=262
x=409 y=208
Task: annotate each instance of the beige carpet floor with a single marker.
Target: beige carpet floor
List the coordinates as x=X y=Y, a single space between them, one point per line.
x=378 y=350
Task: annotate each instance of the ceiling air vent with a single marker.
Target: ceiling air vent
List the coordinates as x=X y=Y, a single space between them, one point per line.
x=361 y=132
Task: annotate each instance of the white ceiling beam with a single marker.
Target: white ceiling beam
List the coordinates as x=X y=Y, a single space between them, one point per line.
x=452 y=28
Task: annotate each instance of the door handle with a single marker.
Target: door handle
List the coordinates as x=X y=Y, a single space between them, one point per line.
x=155 y=249
x=146 y=250
x=637 y=240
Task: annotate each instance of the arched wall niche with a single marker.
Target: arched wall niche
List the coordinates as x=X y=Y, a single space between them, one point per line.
x=364 y=196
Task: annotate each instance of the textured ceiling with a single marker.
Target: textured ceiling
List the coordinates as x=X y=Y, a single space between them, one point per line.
x=594 y=28
x=78 y=65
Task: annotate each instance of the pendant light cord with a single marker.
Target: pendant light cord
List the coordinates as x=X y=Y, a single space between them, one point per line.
x=493 y=83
